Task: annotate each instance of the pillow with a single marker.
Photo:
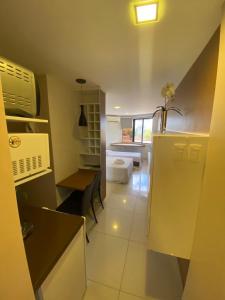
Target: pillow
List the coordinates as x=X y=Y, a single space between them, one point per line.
x=119 y=161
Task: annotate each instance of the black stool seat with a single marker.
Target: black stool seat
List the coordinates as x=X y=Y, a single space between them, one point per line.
x=70 y=206
x=78 y=203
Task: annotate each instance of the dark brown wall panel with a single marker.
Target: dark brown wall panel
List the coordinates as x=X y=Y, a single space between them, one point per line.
x=195 y=94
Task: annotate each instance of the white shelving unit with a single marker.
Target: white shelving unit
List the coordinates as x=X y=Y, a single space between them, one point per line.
x=90 y=144
x=92 y=137
x=93 y=119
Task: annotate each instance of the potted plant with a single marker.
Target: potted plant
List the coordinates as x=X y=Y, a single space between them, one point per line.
x=168 y=93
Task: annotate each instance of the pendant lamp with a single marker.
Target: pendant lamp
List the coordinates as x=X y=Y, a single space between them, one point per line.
x=82 y=119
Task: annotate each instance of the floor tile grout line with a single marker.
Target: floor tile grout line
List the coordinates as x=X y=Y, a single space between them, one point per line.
x=111 y=235
x=103 y=284
x=131 y=228
x=121 y=281
x=119 y=209
x=129 y=240
x=131 y=294
x=133 y=218
x=125 y=260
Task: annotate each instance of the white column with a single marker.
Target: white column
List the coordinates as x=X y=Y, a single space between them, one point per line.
x=206 y=275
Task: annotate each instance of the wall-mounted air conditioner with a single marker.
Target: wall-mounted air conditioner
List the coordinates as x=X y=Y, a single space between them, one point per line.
x=29 y=154
x=113 y=119
x=126 y=122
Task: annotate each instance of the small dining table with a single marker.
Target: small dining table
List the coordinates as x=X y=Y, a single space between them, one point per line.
x=79 y=180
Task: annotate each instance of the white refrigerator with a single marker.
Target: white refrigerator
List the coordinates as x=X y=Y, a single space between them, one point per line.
x=177 y=170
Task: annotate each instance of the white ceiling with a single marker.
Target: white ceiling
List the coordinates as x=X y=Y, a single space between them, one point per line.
x=96 y=40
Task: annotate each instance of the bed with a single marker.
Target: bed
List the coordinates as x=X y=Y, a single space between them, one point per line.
x=135 y=156
x=118 y=169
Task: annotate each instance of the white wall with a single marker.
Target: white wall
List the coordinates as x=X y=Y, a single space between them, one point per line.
x=206 y=275
x=63 y=114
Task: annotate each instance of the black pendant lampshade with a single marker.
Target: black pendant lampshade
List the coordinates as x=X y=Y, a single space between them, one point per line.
x=82 y=119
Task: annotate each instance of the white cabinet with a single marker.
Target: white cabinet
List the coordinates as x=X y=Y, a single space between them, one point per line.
x=67 y=280
x=177 y=171
x=29 y=151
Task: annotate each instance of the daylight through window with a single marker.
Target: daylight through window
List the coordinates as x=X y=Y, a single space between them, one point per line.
x=142 y=130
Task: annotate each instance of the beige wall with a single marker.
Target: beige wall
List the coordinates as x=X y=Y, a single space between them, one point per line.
x=14 y=275
x=63 y=115
x=206 y=276
x=195 y=94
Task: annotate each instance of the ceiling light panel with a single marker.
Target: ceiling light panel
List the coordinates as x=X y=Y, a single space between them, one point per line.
x=146 y=12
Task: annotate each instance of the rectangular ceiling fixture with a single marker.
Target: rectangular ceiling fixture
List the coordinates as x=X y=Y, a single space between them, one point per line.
x=146 y=12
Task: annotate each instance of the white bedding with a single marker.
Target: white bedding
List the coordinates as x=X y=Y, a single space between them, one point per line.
x=135 y=156
x=119 y=172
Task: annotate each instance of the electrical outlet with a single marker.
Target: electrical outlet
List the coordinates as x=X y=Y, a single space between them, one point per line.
x=180 y=151
x=195 y=151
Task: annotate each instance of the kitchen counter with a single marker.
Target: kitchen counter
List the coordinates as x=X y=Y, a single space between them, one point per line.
x=53 y=231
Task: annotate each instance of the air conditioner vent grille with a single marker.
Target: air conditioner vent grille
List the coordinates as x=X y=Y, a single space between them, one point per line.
x=14 y=99
x=28 y=164
x=39 y=161
x=22 y=167
x=14 y=166
x=34 y=162
x=15 y=71
x=18 y=89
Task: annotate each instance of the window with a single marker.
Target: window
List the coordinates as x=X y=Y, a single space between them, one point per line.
x=142 y=130
x=127 y=135
x=127 y=130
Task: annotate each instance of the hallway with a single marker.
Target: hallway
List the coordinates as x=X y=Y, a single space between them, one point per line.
x=119 y=264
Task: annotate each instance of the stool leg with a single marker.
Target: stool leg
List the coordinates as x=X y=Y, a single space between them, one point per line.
x=87 y=239
x=93 y=210
x=100 y=198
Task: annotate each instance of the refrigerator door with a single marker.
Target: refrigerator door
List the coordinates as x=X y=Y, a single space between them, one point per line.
x=176 y=180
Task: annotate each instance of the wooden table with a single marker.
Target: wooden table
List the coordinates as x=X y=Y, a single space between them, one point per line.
x=79 y=180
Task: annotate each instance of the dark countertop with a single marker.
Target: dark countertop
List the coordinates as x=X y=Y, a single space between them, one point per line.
x=52 y=233
x=79 y=180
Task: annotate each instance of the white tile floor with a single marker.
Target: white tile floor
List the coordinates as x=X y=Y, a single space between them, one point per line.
x=119 y=264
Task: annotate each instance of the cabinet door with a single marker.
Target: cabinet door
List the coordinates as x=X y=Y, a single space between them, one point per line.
x=67 y=280
x=176 y=180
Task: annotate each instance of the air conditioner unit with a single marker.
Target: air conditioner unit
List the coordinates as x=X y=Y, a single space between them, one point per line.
x=18 y=89
x=29 y=153
x=126 y=122
x=113 y=119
